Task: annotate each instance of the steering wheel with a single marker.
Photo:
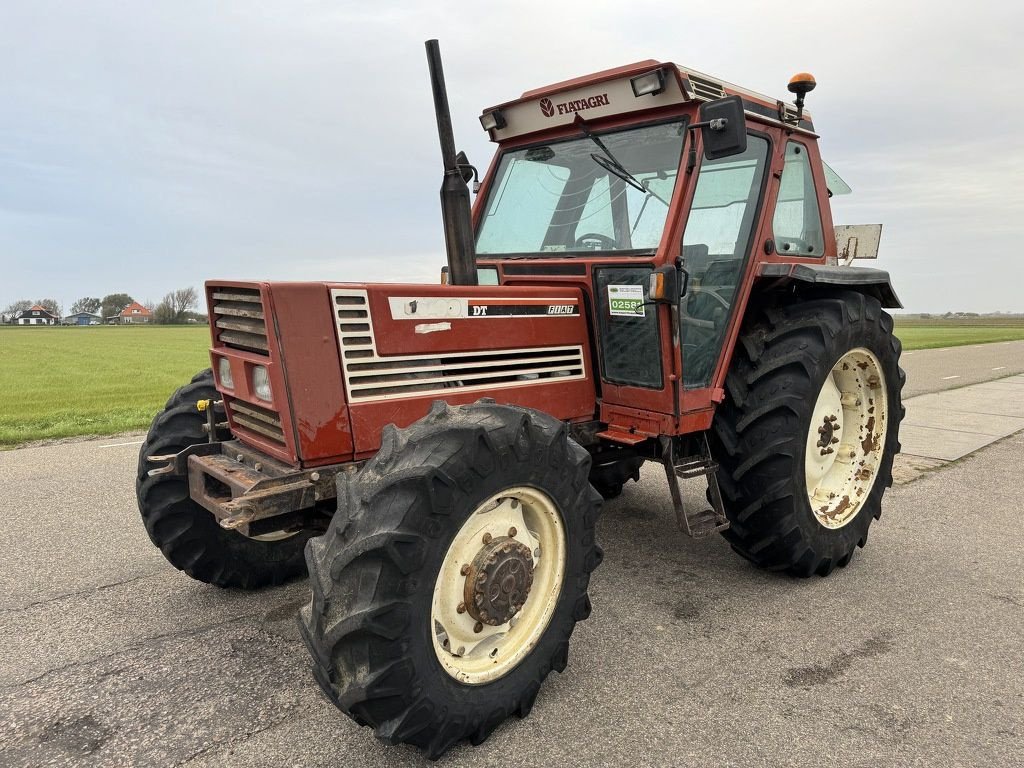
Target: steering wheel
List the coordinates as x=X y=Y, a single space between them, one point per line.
x=607 y=243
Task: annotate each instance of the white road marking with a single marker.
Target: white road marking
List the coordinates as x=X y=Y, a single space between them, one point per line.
x=118 y=445
x=999 y=368
x=946 y=378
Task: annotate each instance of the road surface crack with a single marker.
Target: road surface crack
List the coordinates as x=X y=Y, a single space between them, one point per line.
x=79 y=593
x=153 y=639
x=234 y=741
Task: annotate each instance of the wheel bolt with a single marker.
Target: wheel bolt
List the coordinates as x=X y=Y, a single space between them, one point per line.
x=465 y=570
x=461 y=608
x=478 y=627
x=835 y=440
x=487 y=538
x=512 y=531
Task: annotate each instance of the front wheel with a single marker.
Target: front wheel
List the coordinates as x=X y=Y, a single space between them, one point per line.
x=186 y=533
x=451 y=577
x=807 y=433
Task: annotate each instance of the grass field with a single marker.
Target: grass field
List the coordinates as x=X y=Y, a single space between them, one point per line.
x=918 y=333
x=63 y=382
x=59 y=382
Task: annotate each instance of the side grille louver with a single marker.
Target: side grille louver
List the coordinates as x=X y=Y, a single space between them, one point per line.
x=254 y=418
x=706 y=89
x=369 y=376
x=239 y=319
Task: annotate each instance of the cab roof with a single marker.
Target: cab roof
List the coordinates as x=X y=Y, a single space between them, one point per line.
x=612 y=92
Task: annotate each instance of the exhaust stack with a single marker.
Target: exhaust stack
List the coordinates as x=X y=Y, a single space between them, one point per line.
x=455 y=211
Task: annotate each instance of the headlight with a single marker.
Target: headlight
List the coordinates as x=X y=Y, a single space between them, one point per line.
x=261 y=383
x=651 y=83
x=224 y=373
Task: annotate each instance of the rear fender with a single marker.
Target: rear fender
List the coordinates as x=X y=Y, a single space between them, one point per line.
x=874 y=282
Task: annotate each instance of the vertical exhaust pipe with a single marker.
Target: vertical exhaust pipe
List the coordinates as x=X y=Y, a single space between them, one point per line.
x=455 y=211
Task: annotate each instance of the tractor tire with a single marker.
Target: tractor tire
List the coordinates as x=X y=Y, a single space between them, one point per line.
x=608 y=479
x=808 y=430
x=403 y=580
x=186 y=533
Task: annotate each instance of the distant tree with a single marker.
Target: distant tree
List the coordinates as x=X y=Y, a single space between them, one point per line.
x=52 y=306
x=184 y=300
x=86 y=304
x=113 y=303
x=164 y=313
x=18 y=305
x=176 y=306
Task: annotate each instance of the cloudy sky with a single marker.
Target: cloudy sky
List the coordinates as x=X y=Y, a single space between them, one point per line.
x=150 y=146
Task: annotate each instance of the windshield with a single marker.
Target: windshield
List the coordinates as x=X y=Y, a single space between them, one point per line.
x=570 y=196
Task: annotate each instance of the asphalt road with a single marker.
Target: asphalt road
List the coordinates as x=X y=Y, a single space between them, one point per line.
x=910 y=656
x=932 y=370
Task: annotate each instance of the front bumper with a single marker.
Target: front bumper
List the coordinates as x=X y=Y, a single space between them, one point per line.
x=250 y=492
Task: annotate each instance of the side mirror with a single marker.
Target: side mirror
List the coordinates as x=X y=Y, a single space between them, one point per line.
x=466 y=170
x=723 y=127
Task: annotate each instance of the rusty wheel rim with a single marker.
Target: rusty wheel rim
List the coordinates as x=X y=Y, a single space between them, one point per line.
x=846 y=438
x=498 y=585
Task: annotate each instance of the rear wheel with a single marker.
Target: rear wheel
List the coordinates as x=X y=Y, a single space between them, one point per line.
x=186 y=533
x=609 y=478
x=807 y=433
x=451 y=577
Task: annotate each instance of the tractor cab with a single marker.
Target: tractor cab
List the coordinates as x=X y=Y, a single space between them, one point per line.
x=652 y=177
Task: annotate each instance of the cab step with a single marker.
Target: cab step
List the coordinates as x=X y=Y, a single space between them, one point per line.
x=698 y=522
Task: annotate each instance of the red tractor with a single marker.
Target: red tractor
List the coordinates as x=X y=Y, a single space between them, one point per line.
x=649 y=273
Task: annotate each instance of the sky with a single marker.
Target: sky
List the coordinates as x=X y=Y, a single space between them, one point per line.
x=150 y=146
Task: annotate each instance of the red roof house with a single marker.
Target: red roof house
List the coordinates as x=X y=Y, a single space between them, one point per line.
x=135 y=313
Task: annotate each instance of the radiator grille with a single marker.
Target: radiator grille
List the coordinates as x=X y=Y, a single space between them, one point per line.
x=258 y=419
x=239 y=319
x=369 y=376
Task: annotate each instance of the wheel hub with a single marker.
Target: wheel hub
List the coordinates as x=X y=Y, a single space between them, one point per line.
x=498 y=585
x=499 y=581
x=826 y=434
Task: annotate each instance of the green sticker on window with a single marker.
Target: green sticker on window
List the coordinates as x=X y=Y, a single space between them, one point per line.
x=626 y=300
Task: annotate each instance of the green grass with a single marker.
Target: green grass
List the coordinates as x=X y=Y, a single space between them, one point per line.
x=916 y=333
x=62 y=382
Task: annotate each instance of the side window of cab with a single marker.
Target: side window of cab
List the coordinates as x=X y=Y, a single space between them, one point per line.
x=797 y=221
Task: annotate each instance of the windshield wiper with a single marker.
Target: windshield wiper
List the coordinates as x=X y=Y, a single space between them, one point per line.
x=612 y=165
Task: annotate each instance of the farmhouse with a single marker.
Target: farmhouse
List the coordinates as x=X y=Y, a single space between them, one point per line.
x=36 y=315
x=135 y=313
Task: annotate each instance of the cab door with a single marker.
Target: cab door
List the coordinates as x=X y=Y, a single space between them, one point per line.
x=719 y=236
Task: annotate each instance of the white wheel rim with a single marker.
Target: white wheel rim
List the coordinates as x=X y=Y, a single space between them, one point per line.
x=474 y=652
x=274 y=536
x=846 y=438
